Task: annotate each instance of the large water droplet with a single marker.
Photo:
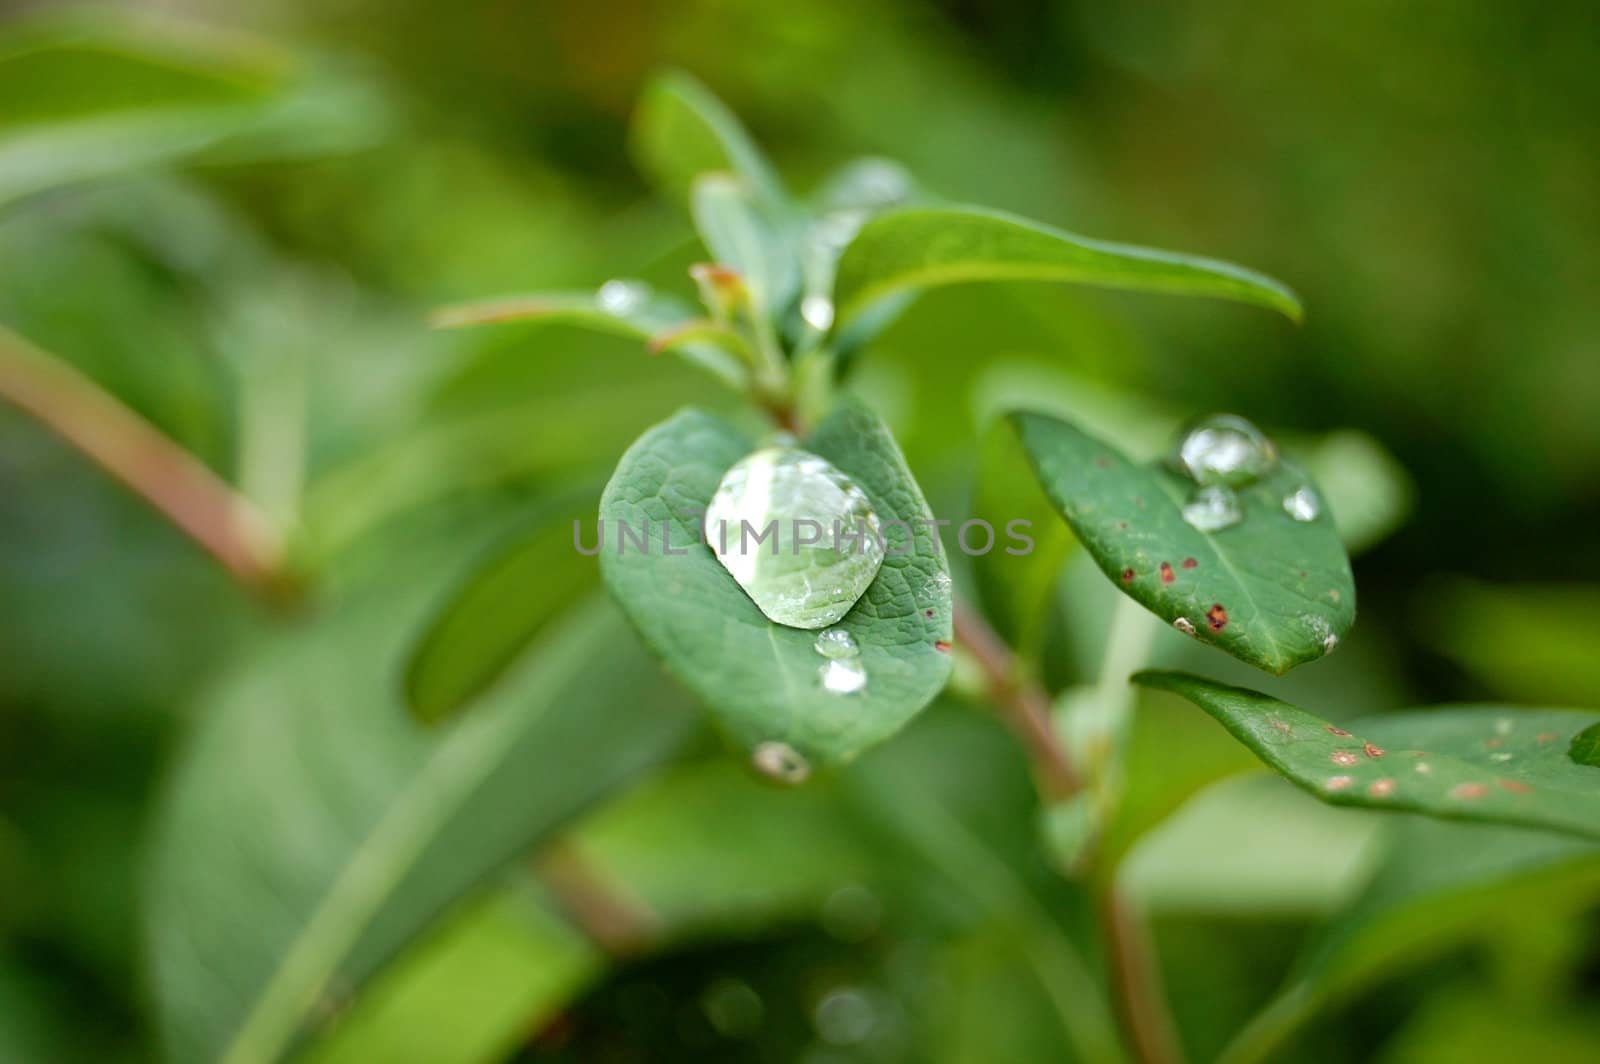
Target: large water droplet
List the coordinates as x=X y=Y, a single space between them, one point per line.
x=780 y=761
x=797 y=534
x=1213 y=508
x=622 y=297
x=1302 y=504
x=836 y=643
x=1225 y=449
x=842 y=676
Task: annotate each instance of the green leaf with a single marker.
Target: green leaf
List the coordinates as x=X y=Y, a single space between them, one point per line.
x=493 y=617
x=91 y=96
x=1585 y=746
x=1270 y=590
x=1438 y=884
x=472 y=989
x=1015 y=590
x=630 y=309
x=681 y=130
x=761 y=679
x=922 y=247
x=313 y=830
x=746 y=239
x=1489 y=763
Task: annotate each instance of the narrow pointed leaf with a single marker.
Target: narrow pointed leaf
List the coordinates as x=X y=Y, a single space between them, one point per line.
x=760 y=679
x=1502 y=764
x=1273 y=591
x=632 y=311
x=496 y=614
x=748 y=240
x=681 y=130
x=923 y=247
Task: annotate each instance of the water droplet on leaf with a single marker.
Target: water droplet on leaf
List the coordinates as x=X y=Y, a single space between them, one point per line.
x=622 y=297
x=836 y=643
x=1225 y=449
x=842 y=676
x=1184 y=625
x=780 y=761
x=1213 y=508
x=1302 y=504
x=817 y=310
x=798 y=535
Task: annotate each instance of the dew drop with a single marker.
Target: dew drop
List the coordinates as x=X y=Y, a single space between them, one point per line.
x=780 y=761
x=836 y=643
x=817 y=310
x=797 y=535
x=1213 y=508
x=622 y=297
x=1225 y=450
x=842 y=676
x=1302 y=504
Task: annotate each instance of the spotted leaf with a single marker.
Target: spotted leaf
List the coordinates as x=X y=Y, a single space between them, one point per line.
x=1500 y=764
x=1269 y=589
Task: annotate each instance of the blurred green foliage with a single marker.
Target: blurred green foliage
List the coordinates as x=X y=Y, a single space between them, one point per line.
x=235 y=218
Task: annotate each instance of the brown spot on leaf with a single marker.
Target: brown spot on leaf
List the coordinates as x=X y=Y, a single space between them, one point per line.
x=1372 y=751
x=1514 y=786
x=942 y=646
x=1334 y=729
x=1217 y=617
x=1493 y=744
x=1189 y=563
x=1343 y=757
x=1381 y=788
x=1469 y=790
x=1338 y=783
x=1167 y=575
x=1547 y=737
x=927 y=613
x=1280 y=725
x=1127 y=576
x=1103 y=462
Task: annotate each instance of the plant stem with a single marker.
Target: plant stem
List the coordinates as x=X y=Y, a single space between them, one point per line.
x=1136 y=980
x=1023 y=704
x=163 y=473
x=621 y=925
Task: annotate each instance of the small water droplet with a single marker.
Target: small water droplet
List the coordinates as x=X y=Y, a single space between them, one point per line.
x=1184 y=625
x=817 y=310
x=1302 y=504
x=1225 y=450
x=780 y=761
x=1213 y=508
x=1422 y=768
x=836 y=643
x=842 y=676
x=1500 y=755
x=622 y=297
x=797 y=535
